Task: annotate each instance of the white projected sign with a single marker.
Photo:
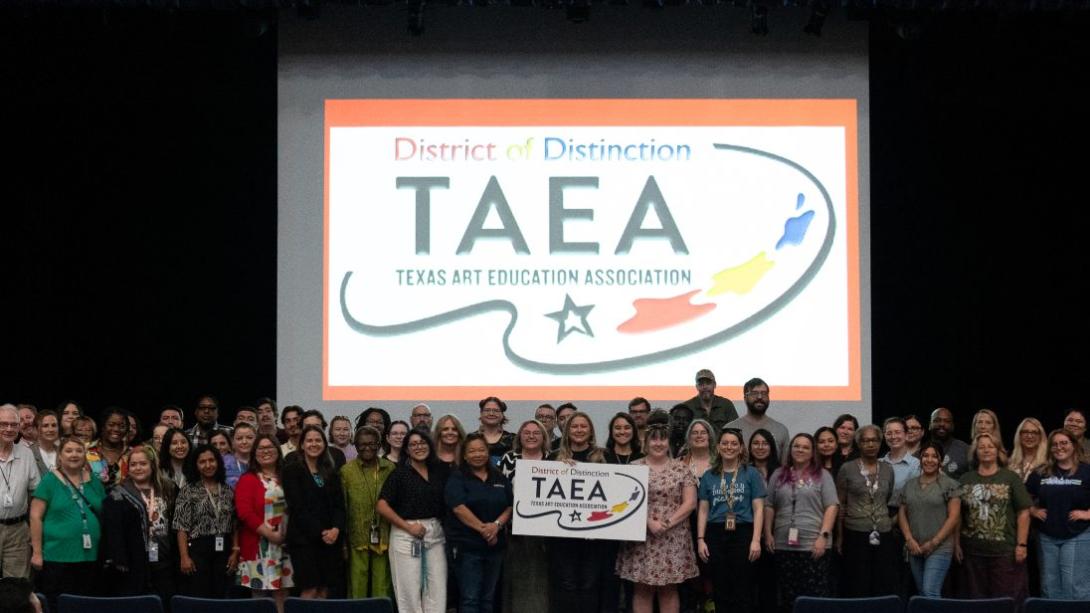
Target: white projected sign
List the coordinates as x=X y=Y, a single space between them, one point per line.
x=578 y=249
x=605 y=501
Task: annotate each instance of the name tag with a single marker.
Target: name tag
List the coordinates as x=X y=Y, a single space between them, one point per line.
x=793 y=536
x=9 y=500
x=153 y=552
x=86 y=541
x=219 y=543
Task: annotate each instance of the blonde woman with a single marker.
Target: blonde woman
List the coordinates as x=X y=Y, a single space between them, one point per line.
x=526 y=591
x=448 y=436
x=1030 y=451
x=985 y=421
x=582 y=569
x=992 y=544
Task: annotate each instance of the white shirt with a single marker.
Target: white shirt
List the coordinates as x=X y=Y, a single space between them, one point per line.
x=18 y=479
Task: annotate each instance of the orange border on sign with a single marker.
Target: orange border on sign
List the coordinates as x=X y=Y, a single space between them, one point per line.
x=604 y=112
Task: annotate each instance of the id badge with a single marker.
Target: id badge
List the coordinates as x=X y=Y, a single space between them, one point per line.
x=730 y=523
x=793 y=536
x=153 y=552
x=875 y=538
x=9 y=500
x=417 y=548
x=375 y=535
x=219 y=543
x=86 y=541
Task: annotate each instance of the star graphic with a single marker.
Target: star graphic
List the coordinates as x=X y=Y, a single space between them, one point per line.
x=575 y=516
x=571 y=319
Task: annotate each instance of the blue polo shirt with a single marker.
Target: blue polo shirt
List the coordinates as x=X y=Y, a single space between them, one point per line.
x=487 y=500
x=739 y=500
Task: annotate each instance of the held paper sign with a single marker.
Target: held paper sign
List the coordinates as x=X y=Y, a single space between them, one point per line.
x=604 y=501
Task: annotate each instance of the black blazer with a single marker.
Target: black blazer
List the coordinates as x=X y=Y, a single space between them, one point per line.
x=312 y=509
x=124 y=525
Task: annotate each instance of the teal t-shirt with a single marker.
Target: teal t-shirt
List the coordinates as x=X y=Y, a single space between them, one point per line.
x=738 y=500
x=62 y=526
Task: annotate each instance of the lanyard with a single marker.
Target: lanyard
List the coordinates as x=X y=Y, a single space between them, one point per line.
x=214 y=502
x=872 y=489
x=11 y=467
x=77 y=497
x=729 y=498
x=152 y=505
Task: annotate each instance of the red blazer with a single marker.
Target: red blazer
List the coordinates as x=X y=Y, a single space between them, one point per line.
x=250 y=506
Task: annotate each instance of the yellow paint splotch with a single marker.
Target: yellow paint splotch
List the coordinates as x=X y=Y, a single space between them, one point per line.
x=743 y=278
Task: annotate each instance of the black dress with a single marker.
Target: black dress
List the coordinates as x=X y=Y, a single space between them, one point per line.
x=315 y=504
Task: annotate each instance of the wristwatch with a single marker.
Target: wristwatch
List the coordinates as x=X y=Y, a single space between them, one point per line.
x=825 y=535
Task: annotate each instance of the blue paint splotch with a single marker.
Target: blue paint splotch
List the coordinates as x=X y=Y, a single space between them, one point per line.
x=794 y=229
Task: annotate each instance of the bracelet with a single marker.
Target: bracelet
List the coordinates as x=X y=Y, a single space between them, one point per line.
x=1023 y=545
x=699 y=538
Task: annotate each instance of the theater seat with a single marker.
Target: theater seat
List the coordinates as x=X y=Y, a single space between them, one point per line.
x=186 y=604
x=1045 y=605
x=363 y=605
x=884 y=604
x=67 y=603
x=919 y=604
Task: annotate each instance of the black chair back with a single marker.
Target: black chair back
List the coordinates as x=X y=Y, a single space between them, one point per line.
x=919 y=604
x=187 y=604
x=67 y=603
x=363 y=605
x=885 y=604
x=1045 y=605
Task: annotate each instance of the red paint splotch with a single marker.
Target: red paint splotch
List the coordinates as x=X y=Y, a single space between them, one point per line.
x=659 y=313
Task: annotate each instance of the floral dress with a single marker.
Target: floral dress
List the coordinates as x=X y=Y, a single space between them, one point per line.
x=667 y=559
x=272 y=568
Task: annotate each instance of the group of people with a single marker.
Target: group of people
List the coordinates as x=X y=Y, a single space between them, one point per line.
x=740 y=512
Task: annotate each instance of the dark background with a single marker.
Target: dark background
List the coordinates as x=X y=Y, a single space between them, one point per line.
x=138 y=210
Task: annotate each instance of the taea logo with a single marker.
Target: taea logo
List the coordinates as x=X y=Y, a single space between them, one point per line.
x=582 y=499
x=687 y=257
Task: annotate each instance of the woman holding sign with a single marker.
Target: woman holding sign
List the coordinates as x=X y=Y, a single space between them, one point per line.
x=666 y=558
x=581 y=569
x=731 y=504
x=526 y=591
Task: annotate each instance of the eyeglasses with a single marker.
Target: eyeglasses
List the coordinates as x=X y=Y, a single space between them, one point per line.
x=1063 y=443
x=266 y=449
x=9 y=425
x=495 y=411
x=417 y=444
x=531 y=433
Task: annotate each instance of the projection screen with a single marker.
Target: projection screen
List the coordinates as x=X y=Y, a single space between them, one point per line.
x=568 y=214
